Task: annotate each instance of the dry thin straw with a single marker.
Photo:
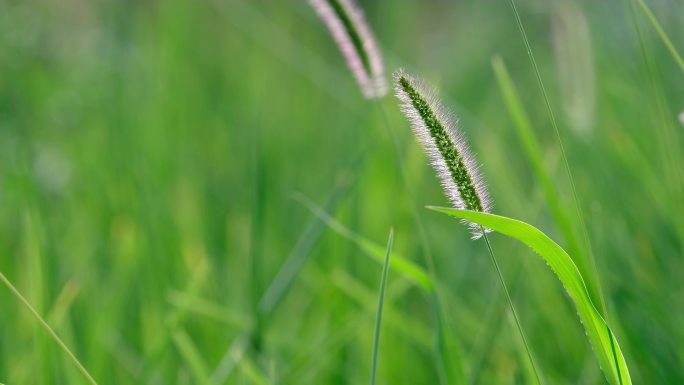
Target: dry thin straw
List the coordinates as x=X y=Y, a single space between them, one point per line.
x=47 y=327
x=353 y=36
x=437 y=130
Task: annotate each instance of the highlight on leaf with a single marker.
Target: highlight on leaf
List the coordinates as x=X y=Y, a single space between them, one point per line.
x=437 y=129
x=347 y=24
x=601 y=337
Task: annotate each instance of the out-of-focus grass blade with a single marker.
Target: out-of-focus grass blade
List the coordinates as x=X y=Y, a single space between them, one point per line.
x=451 y=368
x=534 y=156
x=601 y=337
x=209 y=309
x=47 y=327
x=252 y=371
x=401 y=265
x=576 y=73
x=663 y=35
x=191 y=355
x=299 y=255
x=394 y=319
x=229 y=360
x=381 y=299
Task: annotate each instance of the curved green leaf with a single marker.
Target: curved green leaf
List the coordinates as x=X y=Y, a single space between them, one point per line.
x=600 y=336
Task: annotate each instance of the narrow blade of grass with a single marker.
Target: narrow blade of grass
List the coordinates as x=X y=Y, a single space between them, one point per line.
x=252 y=371
x=47 y=327
x=406 y=268
x=450 y=367
x=299 y=255
x=662 y=34
x=591 y=260
x=449 y=362
x=534 y=155
x=381 y=299
x=600 y=336
x=209 y=309
x=191 y=355
x=518 y=325
x=230 y=360
x=393 y=319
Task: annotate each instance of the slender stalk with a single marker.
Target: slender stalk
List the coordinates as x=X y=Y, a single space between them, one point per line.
x=47 y=327
x=662 y=34
x=666 y=134
x=381 y=301
x=256 y=232
x=510 y=304
x=566 y=163
x=409 y=191
x=422 y=234
x=585 y=234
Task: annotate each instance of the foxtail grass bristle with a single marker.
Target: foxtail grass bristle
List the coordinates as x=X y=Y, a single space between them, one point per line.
x=437 y=129
x=353 y=36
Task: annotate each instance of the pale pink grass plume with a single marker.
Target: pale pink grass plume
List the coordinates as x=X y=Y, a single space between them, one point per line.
x=373 y=84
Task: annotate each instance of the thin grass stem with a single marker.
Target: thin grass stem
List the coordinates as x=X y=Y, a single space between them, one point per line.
x=566 y=163
x=510 y=304
x=431 y=268
x=585 y=233
x=381 y=301
x=666 y=135
x=47 y=327
x=663 y=35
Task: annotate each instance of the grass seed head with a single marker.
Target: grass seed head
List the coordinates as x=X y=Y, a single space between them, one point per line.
x=438 y=131
x=353 y=36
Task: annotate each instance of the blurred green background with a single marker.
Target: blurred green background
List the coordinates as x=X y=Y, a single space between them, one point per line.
x=154 y=156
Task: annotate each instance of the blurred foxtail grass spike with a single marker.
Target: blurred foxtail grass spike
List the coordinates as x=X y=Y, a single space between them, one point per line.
x=353 y=36
x=447 y=148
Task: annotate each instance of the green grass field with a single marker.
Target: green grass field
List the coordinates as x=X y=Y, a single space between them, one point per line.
x=196 y=192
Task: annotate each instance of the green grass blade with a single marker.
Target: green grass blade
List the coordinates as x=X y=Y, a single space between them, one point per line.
x=403 y=266
x=209 y=309
x=585 y=234
x=504 y=287
x=534 y=156
x=381 y=299
x=449 y=365
x=47 y=327
x=600 y=336
x=662 y=34
x=300 y=254
x=188 y=350
x=447 y=356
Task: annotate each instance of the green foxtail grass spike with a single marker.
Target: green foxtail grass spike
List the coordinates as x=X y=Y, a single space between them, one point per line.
x=437 y=130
